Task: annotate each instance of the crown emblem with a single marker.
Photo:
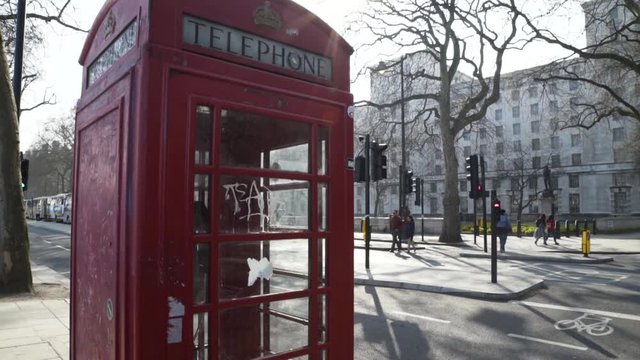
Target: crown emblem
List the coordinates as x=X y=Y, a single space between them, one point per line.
x=265 y=15
x=110 y=25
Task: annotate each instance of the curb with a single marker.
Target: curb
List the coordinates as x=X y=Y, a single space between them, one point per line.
x=539 y=258
x=452 y=291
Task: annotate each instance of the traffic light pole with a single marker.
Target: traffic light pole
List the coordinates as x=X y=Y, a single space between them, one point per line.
x=402 y=193
x=484 y=204
x=495 y=215
x=367 y=183
x=422 y=206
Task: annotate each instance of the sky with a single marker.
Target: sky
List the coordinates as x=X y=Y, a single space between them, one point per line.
x=62 y=75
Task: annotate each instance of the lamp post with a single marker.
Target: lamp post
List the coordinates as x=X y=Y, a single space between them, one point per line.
x=19 y=49
x=403 y=168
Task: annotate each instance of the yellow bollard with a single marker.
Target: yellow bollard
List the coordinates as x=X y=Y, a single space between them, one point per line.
x=586 y=243
x=365 y=227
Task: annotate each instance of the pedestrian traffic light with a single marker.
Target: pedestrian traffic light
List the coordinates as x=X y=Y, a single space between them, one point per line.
x=472 y=176
x=378 y=161
x=360 y=170
x=418 y=190
x=24 y=172
x=495 y=210
x=408 y=182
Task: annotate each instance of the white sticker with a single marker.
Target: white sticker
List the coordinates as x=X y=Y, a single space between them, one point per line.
x=259 y=270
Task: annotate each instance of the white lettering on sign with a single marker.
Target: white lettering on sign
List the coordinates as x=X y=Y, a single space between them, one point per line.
x=231 y=41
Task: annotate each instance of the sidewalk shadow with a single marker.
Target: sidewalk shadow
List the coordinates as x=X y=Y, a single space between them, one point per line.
x=425 y=261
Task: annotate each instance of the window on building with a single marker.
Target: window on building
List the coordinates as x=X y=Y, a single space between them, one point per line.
x=621 y=154
x=394 y=190
x=515 y=184
x=516 y=129
x=575 y=140
x=466 y=151
x=499 y=131
x=533 y=204
x=574 y=180
x=495 y=183
x=554 y=182
x=515 y=111
x=576 y=159
x=483 y=133
x=498 y=114
x=499 y=148
x=555 y=142
x=555 y=161
x=464 y=204
x=573 y=85
x=553 y=106
x=500 y=164
x=618 y=134
x=535 y=162
x=359 y=191
x=515 y=94
x=433 y=205
x=533 y=182
x=516 y=146
x=438 y=155
x=533 y=109
x=621 y=203
x=553 y=88
x=533 y=91
x=483 y=149
x=621 y=180
x=434 y=187
x=438 y=169
x=535 y=144
x=535 y=127
x=466 y=135
x=573 y=101
x=574 y=203
x=463 y=185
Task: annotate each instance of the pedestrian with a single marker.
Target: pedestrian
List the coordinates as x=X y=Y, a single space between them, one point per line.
x=541 y=223
x=409 y=232
x=551 y=229
x=395 y=222
x=503 y=228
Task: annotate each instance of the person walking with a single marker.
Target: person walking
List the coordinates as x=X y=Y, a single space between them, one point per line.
x=541 y=223
x=409 y=232
x=551 y=229
x=395 y=222
x=503 y=228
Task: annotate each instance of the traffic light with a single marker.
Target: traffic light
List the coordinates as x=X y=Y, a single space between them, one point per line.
x=418 y=189
x=360 y=170
x=495 y=210
x=378 y=161
x=408 y=182
x=472 y=169
x=24 y=171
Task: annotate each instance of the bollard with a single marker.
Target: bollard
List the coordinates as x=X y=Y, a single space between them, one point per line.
x=586 y=243
x=519 y=227
x=594 y=227
x=577 y=225
x=567 y=228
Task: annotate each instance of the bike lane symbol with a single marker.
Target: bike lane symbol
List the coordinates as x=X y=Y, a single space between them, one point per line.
x=594 y=325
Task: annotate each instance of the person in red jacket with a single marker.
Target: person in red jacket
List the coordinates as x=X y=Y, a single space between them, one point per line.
x=551 y=230
x=395 y=222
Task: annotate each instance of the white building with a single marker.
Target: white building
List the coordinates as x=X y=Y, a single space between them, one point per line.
x=593 y=174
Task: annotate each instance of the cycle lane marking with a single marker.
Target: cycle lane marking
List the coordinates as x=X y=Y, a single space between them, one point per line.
x=581 y=310
x=582 y=348
x=421 y=317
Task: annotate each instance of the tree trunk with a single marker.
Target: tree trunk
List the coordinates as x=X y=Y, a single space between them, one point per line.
x=15 y=269
x=451 y=201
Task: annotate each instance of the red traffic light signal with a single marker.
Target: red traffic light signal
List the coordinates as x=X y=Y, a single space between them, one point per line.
x=496 y=204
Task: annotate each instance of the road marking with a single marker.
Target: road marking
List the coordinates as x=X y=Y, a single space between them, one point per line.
x=62 y=247
x=422 y=317
x=548 y=342
x=581 y=310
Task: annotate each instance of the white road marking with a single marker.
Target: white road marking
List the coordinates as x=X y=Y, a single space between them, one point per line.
x=548 y=342
x=421 y=317
x=581 y=310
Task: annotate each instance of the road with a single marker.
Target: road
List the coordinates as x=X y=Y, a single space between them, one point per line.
x=585 y=312
x=404 y=324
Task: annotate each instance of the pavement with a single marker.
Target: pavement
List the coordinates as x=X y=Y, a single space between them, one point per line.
x=37 y=327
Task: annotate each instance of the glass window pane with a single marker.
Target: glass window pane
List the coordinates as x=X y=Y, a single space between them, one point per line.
x=270 y=328
x=201 y=336
x=323 y=150
x=201 y=255
x=322 y=206
x=249 y=268
x=323 y=319
x=253 y=204
x=201 y=218
x=204 y=134
x=322 y=261
x=257 y=141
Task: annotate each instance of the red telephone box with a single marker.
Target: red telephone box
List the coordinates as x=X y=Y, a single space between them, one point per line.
x=212 y=192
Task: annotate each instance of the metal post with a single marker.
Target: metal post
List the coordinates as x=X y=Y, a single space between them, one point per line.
x=18 y=54
x=367 y=182
x=403 y=201
x=422 y=205
x=475 y=225
x=494 y=250
x=484 y=204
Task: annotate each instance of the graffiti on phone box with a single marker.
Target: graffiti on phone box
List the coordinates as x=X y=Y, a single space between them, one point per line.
x=253 y=197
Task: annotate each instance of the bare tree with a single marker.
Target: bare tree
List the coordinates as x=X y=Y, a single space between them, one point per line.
x=15 y=269
x=462 y=43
